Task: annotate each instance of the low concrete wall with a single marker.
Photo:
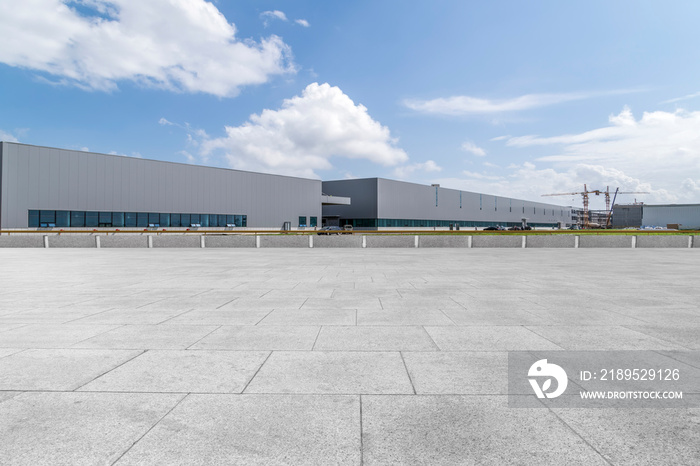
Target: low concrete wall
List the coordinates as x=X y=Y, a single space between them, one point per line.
x=124 y=241
x=229 y=241
x=696 y=241
x=342 y=241
x=551 y=241
x=390 y=241
x=605 y=241
x=284 y=241
x=497 y=241
x=662 y=241
x=177 y=241
x=71 y=241
x=435 y=241
x=22 y=241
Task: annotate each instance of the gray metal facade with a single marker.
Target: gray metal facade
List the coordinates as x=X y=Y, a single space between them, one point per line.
x=43 y=178
x=378 y=198
x=687 y=215
x=625 y=216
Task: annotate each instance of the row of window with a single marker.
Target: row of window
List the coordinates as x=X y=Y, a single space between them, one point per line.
x=72 y=218
x=313 y=221
x=394 y=222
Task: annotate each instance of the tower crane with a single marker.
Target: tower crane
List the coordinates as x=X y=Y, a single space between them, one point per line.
x=585 y=193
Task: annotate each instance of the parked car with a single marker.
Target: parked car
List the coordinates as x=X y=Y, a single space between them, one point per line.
x=494 y=228
x=330 y=231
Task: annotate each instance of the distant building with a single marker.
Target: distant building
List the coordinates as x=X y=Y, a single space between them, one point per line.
x=686 y=216
x=382 y=203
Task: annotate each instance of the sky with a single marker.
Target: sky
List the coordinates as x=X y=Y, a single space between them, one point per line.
x=511 y=98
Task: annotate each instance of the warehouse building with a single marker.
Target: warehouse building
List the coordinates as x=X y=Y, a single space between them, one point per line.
x=43 y=187
x=382 y=203
x=682 y=216
x=47 y=187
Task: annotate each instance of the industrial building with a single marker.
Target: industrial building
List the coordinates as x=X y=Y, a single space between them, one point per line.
x=43 y=187
x=382 y=203
x=681 y=216
x=47 y=187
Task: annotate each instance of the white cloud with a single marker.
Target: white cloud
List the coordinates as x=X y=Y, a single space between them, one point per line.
x=181 y=45
x=302 y=22
x=685 y=97
x=267 y=16
x=305 y=133
x=472 y=148
x=661 y=149
x=408 y=170
x=7 y=137
x=467 y=105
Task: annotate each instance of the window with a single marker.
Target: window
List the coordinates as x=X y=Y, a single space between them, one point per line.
x=141 y=219
x=175 y=220
x=244 y=222
x=164 y=220
x=238 y=220
x=33 y=221
x=47 y=218
x=184 y=220
x=153 y=219
x=195 y=219
x=302 y=221
x=222 y=220
x=91 y=219
x=62 y=218
x=117 y=219
x=231 y=220
x=313 y=221
x=105 y=219
x=204 y=220
x=130 y=219
x=77 y=219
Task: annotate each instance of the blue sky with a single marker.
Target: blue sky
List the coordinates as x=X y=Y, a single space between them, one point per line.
x=508 y=97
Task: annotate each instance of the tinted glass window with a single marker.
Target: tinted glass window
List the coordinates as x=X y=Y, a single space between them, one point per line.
x=204 y=220
x=33 y=219
x=130 y=219
x=62 y=218
x=313 y=221
x=77 y=219
x=141 y=219
x=302 y=221
x=154 y=219
x=174 y=220
x=164 y=220
x=117 y=219
x=47 y=216
x=194 y=218
x=222 y=220
x=184 y=220
x=91 y=219
x=105 y=219
x=244 y=221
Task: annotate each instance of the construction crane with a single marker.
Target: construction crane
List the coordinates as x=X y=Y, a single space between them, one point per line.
x=608 y=207
x=585 y=193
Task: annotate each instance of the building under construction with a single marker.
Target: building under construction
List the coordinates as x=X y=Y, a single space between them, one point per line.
x=676 y=216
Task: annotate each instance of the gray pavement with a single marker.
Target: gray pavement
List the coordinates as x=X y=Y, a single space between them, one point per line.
x=329 y=356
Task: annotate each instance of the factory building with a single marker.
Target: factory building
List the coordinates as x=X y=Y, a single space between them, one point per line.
x=378 y=203
x=47 y=187
x=681 y=216
x=43 y=187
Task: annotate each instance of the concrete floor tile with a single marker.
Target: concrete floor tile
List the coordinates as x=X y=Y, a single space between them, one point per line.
x=45 y=316
x=219 y=317
x=478 y=430
x=410 y=317
x=310 y=317
x=130 y=316
x=687 y=336
x=418 y=303
x=5 y=327
x=148 y=337
x=493 y=317
x=260 y=338
x=566 y=316
x=269 y=304
x=578 y=337
x=457 y=373
x=183 y=371
x=639 y=436
x=6 y=395
x=8 y=351
x=366 y=338
x=76 y=429
x=254 y=430
x=359 y=301
x=58 y=369
x=332 y=373
x=50 y=335
x=488 y=338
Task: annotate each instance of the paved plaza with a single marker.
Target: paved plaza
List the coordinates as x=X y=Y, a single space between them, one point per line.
x=332 y=356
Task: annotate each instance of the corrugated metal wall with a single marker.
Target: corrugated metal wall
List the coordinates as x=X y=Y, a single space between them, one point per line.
x=44 y=178
x=687 y=215
x=382 y=198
